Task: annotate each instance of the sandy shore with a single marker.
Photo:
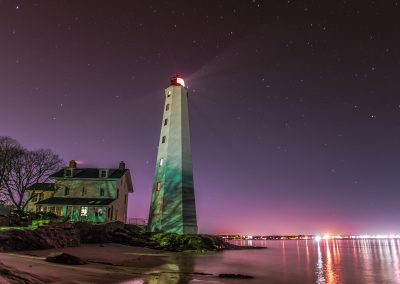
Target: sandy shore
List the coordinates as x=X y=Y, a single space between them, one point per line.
x=108 y=263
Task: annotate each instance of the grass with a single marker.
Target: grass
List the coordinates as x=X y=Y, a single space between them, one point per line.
x=35 y=224
x=38 y=223
x=7 y=229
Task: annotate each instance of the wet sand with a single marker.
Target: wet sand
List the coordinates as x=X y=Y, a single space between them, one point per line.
x=108 y=263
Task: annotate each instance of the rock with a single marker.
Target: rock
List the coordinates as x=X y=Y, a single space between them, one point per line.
x=114 y=232
x=235 y=276
x=65 y=258
x=126 y=239
x=57 y=235
x=135 y=229
x=98 y=233
x=46 y=237
x=175 y=242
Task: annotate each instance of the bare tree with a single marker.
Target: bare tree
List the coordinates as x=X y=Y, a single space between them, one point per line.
x=10 y=150
x=29 y=168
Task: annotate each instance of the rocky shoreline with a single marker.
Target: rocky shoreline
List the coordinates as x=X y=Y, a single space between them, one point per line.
x=61 y=235
x=109 y=263
x=121 y=251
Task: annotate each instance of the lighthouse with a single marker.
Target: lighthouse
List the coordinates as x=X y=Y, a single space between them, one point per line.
x=173 y=207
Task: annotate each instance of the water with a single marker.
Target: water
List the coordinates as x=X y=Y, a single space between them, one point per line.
x=290 y=261
x=324 y=261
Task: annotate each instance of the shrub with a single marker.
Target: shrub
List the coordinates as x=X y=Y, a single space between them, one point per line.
x=175 y=242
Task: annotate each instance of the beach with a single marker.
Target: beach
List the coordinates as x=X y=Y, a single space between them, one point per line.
x=285 y=261
x=108 y=263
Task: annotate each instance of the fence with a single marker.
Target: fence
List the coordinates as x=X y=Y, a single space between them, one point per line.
x=137 y=221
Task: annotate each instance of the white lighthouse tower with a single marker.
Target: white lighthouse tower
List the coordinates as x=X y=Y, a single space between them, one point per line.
x=173 y=207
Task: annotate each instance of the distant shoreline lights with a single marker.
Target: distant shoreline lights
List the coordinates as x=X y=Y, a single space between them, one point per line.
x=338 y=237
x=310 y=237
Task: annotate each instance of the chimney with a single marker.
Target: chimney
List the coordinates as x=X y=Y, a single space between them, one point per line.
x=72 y=164
x=121 y=166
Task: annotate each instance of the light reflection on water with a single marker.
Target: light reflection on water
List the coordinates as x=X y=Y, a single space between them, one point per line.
x=324 y=261
x=303 y=261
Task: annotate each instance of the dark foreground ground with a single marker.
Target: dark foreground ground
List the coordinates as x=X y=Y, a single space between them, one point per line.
x=108 y=263
x=115 y=252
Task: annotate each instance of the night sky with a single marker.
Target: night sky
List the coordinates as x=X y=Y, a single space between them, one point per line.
x=294 y=105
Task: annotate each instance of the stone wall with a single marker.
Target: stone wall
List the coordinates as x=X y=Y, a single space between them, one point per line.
x=58 y=235
x=46 y=237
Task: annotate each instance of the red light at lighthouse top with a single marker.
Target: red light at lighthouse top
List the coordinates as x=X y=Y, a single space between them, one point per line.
x=177 y=81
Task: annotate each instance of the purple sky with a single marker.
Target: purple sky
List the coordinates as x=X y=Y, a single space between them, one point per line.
x=294 y=107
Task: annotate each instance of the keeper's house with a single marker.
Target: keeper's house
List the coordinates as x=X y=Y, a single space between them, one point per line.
x=95 y=195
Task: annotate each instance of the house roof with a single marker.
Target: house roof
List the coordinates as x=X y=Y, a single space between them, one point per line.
x=43 y=186
x=90 y=173
x=75 y=201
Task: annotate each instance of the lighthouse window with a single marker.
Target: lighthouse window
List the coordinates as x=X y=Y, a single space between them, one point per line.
x=163 y=139
x=167 y=107
x=166 y=121
x=161 y=162
x=158 y=185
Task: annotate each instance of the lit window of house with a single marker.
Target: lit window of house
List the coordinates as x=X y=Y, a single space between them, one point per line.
x=99 y=212
x=84 y=211
x=59 y=211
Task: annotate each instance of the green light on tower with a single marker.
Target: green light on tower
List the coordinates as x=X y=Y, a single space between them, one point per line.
x=173 y=207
